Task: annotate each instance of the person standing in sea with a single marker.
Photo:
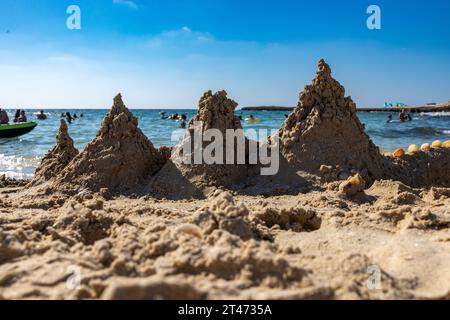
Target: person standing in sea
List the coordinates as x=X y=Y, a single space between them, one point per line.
x=69 y=117
x=41 y=116
x=390 y=117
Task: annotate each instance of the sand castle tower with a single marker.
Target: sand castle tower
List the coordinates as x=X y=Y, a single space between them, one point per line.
x=57 y=158
x=325 y=130
x=216 y=111
x=117 y=159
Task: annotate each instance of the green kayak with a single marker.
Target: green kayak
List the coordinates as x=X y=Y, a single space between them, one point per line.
x=16 y=130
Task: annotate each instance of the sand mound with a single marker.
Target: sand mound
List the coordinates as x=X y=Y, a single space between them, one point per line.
x=6 y=182
x=117 y=159
x=216 y=111
x=407 y=211
x=56 y=159
x=224 y=214
x=324 y=130
x=226 y=257
x=261 y=223
x=296 y=219
x=390 y=188
x=80 y=223
x=423 y=169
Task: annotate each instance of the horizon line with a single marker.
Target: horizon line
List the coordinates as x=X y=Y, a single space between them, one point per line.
x=182 y=108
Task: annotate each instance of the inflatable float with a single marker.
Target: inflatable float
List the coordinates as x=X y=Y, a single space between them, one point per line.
x=16 y=130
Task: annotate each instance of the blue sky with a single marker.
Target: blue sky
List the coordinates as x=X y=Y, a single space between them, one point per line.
x=165 y=54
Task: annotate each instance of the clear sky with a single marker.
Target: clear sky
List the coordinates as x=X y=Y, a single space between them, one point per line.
x=166 y=53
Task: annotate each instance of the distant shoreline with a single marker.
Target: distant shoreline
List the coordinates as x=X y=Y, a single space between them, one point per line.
x=413 y=109
x=420 y=109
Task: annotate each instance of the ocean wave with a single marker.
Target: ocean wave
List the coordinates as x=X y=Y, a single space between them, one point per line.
x=398 y=133
x=18 y=167
x=423 y=131
x=416 y=131
x=419 y=130
x=12 y=160
x=16 y=175
x=435 y=114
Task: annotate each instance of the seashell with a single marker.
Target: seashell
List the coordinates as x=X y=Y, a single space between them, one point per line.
x=356 y=180
x=399 y=153
x=352 y=186
x=436 y=144
x=414 y=148
x=425 y=147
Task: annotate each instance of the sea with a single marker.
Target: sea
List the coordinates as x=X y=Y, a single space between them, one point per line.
x=19 y=157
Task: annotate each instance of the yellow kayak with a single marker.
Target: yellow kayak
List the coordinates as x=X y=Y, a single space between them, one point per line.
x=249 y=120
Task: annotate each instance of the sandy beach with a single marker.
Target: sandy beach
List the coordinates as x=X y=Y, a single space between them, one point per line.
x=122 y=219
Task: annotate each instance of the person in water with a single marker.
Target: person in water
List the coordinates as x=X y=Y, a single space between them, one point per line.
x=22 y=117
x=409 y=116
x=4 y=119
x=390 y=117
x=17 y=116
x=41 y=115
x=75 y=116
x=402 y=116
x=68 y=117
x=183 y=124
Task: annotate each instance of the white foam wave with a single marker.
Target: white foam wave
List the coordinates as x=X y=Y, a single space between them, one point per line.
x=16 y=175
x=435 y=114
x=17 y=167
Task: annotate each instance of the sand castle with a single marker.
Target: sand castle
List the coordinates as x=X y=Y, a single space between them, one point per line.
x=324 y=130
x=117 y=159
x=216 y=111
x=323 y=137
x=56 y=159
